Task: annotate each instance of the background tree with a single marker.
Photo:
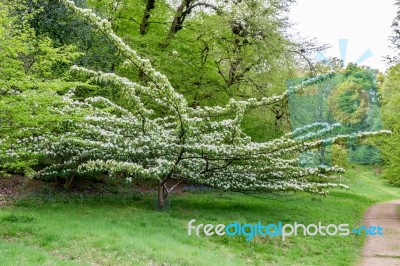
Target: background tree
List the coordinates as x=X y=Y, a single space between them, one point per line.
x=390 y=98
x=33 y=74
x=390 y=109
x=395 y=38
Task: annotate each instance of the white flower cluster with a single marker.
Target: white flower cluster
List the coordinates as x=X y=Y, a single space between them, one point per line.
x=185 y=143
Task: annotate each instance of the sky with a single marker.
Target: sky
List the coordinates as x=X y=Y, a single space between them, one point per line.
x=366 y=24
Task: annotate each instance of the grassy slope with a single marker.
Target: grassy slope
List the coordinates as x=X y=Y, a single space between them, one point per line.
x=124 y=230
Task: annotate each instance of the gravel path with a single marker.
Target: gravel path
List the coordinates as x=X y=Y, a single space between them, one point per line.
x=383 y=250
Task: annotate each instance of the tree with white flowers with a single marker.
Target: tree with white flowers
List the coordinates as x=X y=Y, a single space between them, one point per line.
x=204 y=145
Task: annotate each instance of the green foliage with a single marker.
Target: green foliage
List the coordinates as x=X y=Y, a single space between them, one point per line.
x=339 y=155
x=25 y=57
x=48 y=62
x=33 y=75
x=345 y=104
x=208 y=67
x=390 y=146
x=211 y=66
x=51 y=18
x=13 y=43
x=26 y=115
x=262 y=125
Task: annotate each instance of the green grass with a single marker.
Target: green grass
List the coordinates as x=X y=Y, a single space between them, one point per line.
x=125 y=230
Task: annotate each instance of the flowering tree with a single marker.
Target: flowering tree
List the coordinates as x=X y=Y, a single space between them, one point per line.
x=204 y=145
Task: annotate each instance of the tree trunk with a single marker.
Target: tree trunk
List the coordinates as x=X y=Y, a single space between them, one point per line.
x=162 y=196
x=69 y=181
x=179 y=18
x=145 y=21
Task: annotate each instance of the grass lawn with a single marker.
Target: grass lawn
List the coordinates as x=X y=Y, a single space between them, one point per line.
x=125 y=230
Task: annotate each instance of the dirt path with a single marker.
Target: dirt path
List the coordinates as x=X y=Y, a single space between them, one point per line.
x=383 y=250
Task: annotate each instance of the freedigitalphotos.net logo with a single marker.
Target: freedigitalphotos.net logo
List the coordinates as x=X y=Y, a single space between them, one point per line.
x=343 y=47
x=345 y=102
x=249 y=231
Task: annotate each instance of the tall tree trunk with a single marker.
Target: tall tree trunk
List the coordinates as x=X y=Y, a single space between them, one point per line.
x=145 y=21
x=179 y=18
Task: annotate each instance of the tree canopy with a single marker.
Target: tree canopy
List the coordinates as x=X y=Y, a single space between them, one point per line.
x=116 y=112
